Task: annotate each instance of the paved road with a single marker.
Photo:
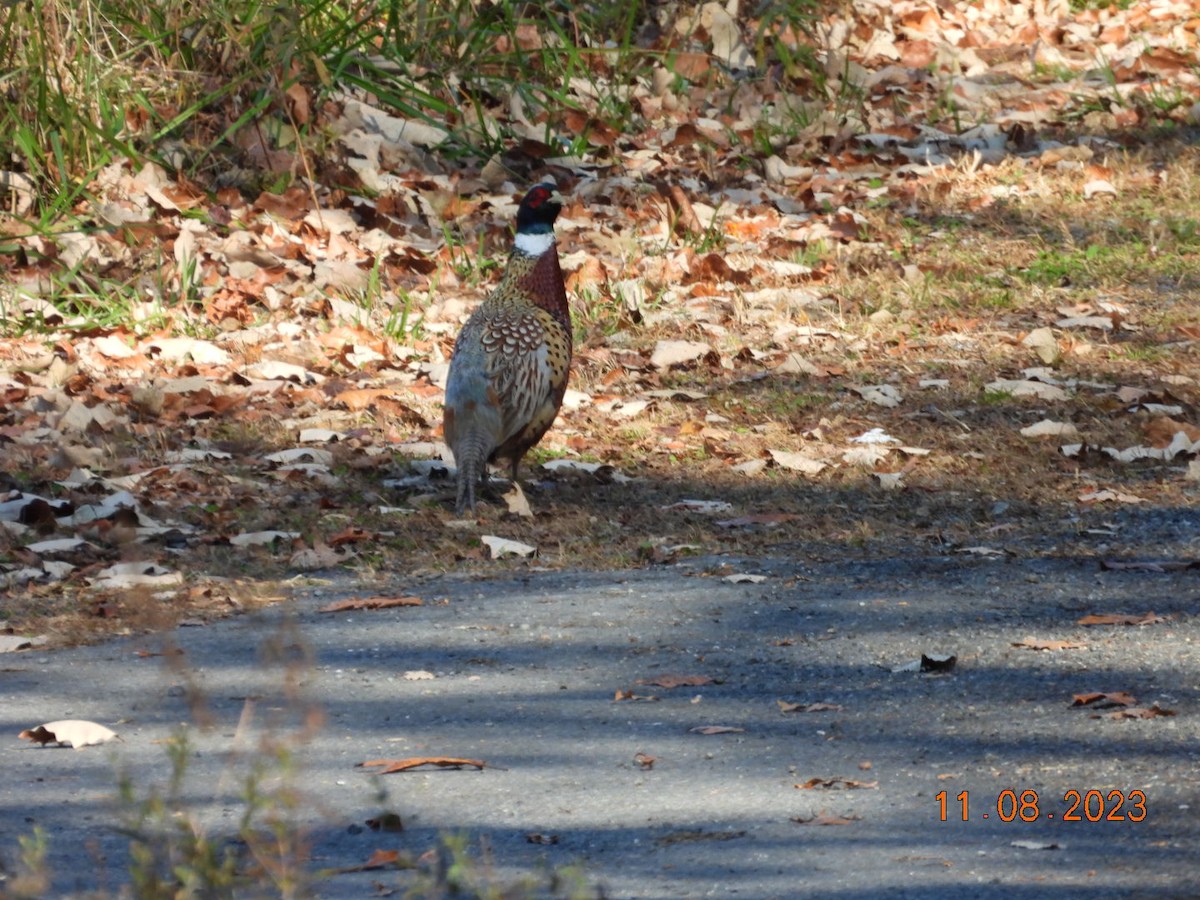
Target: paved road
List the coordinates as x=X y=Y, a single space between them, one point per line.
x=524 y=672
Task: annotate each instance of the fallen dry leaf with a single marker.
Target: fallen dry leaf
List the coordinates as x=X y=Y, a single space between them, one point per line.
x=516 y=502
x=501 y=547
x=1035 y=845
x=674 y=681
x=1109 y=496
x=78 y=733
x=1119 y=619
x=353 y=603
x=716 y=729
x=1030 y=643
x=1101 y=700
x=1139 y=712
x=826 y=820
x=844 y=784
x=388 y=766
x=379 y=859
x=786 y=707
x=636 y=698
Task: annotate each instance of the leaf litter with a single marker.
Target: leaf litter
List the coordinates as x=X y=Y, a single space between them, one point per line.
x=244 y=428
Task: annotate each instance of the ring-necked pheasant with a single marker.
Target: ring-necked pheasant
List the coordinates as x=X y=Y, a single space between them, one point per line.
x=509 y=370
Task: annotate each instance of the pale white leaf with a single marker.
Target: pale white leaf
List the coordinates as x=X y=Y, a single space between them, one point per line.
x=275 y=370
x=750 y=467
x=1024 y=388
x=79 y=733
x=1042 y=342
x=1105 y=323
x=59 y=545
x=320 y=435
x=726 y=35
x=1051 y=428
x=880 y=394
x=708 y=507
x=189 y=385
x=674 y=353
x=516 y=502
x=113 y=347
x=301 y=455
x=136 y=574
x=319 y=556
x=256 y=538
x=630 y=409
x=501 y=547
x=10 y=643
x=573 y=399
x=81 y=477
x=195 y=454
x=874 y=436
x=797 y=462
x=601 y=471
x=178 y=349
x=418 y=675
x=1109 y=496
x=889 y=481
x=1098 y=186
x=1038 y=845
x=744 y=578
x=795 y=364
x=1165 y=409
x=865 y=457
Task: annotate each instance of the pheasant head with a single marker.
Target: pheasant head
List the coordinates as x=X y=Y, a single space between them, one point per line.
x=535 y=219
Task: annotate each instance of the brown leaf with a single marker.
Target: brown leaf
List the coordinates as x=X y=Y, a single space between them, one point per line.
x=645 y=760
x=1161 y=430
x=1101 y=699
x=380 y=859
x=674 y=681
x=689 y=65
x=351 y=603
x=352 y=535
x=630 y=695
x=1034 y=644
x=716 y=729
x=826 y=820
x=786 y=707
x=534 y=837
x=1140 y=712
x=1120 y=619
x=843 y=784
x=388 y=766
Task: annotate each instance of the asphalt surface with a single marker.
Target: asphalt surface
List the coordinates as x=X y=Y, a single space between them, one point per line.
x=521 y=673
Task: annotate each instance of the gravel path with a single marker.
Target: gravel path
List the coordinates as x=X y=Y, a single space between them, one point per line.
x=524 y=674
